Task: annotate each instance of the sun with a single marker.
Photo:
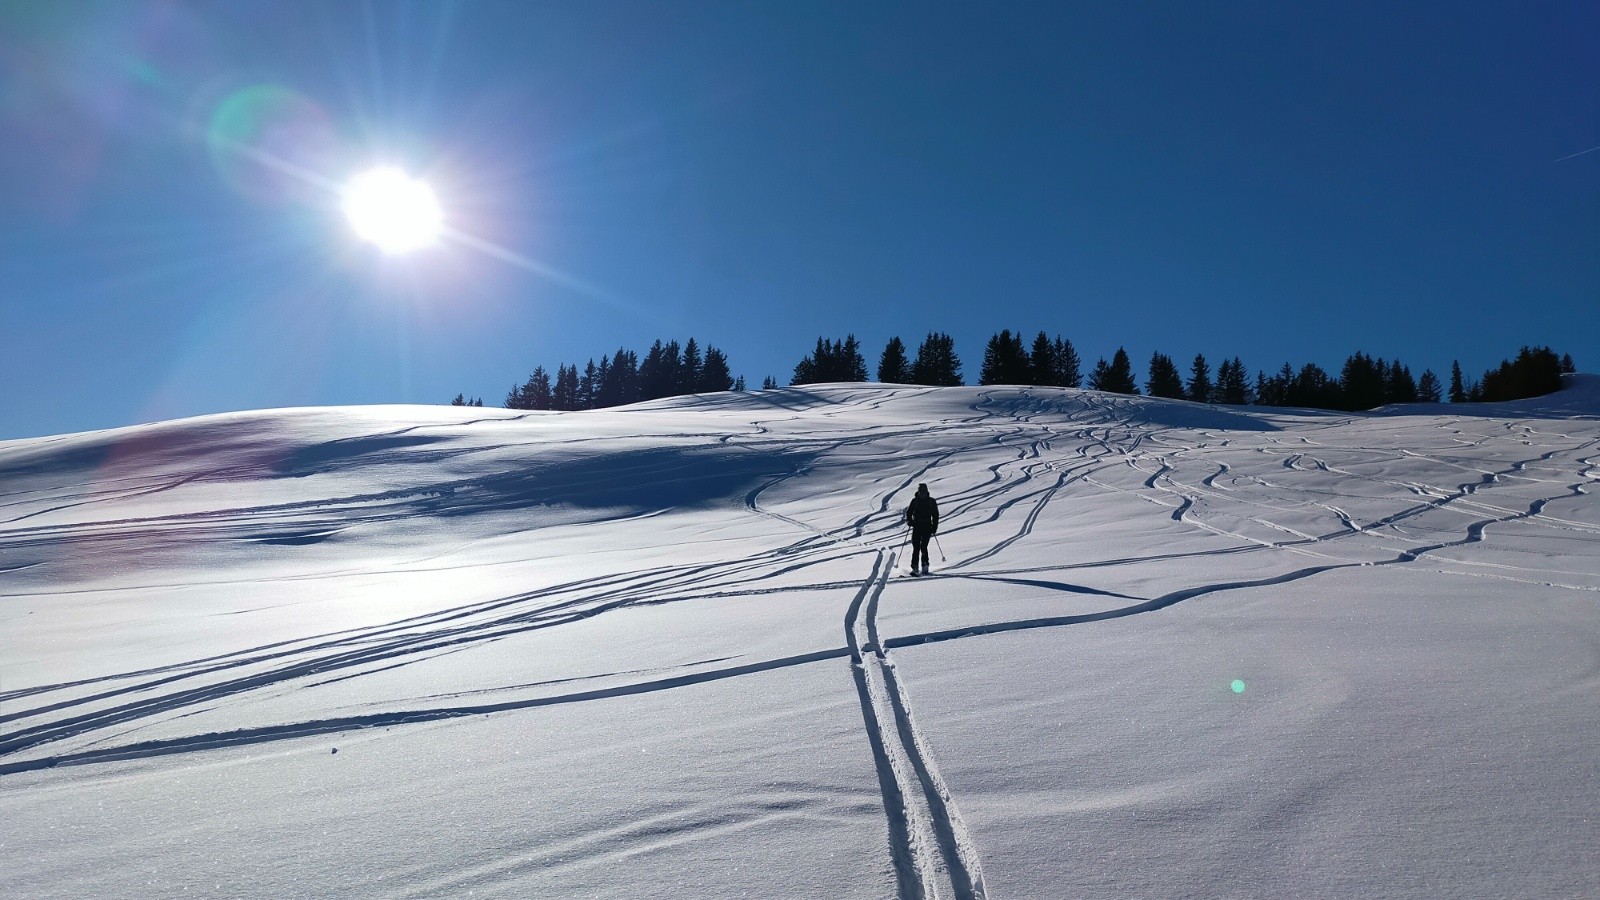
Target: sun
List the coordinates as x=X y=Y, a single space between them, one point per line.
x=391 y=209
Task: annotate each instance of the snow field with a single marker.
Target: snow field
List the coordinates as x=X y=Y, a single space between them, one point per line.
x=1168 y=650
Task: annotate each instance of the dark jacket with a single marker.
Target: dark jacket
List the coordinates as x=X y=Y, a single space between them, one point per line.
x=923 y=514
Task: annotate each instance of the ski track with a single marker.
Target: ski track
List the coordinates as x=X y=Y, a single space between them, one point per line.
x=933 y=854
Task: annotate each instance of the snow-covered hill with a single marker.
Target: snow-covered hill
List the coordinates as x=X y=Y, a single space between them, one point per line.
x=671 y=650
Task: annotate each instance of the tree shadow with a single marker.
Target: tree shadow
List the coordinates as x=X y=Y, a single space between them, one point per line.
x=333 y=456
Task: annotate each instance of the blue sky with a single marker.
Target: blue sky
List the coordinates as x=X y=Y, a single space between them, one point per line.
x=1268 y=180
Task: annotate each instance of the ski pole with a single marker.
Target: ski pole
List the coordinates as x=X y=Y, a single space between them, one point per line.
x=940 y=546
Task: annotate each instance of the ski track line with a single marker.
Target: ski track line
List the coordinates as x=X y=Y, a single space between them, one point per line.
x=932 y=851
x=249 y=736
x=1441 y=499
x=1474 y=534
x=365 y=647
x=640 y=586
x=901 y=853
x=407 y=640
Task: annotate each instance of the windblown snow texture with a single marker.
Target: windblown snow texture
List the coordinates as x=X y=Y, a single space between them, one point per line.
x=1173 y=650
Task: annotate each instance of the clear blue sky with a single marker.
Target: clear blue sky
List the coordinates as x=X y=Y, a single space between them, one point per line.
x=1277 y=181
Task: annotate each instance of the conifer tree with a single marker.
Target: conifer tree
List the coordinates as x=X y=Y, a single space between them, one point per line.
x=1121 y=374
x=669 y=381
x=1274 y=391
x=1232 y=386
x=1068 y=371
x=1428 y=387
x=893 y=367
x=1458 y=392
x=1568 y=367
x=558 y=384
x=1361 y=382
x=621 y=387
x=689 y=376
x=1042 y=360
x=1164 y=380
x=1005 y=361
x=768 y=383
x=536 y=391
x=937 y=362
x=631 y=389
x=602 y=377
x=1200 y=380
x=564 y=395
x=651 y=377
x=714 y=374
x=460 y=400
x=587 y=384
x=661 y=372
x=1399 y=387
x=1099 y=375
x=1115 y=377
x=852 y=366
x=738 y=384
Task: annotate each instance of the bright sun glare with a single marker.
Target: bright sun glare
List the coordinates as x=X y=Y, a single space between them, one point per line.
x=393 y=210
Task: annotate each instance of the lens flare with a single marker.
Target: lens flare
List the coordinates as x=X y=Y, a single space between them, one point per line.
x=264 y=139
x=393 y=210
x=1238 y=686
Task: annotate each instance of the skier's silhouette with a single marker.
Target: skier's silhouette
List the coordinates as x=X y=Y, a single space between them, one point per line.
x=923 y=516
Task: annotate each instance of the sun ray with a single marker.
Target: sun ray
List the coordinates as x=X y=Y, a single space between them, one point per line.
x=550 y=273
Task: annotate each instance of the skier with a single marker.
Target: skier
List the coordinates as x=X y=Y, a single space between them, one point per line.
x=922 y=515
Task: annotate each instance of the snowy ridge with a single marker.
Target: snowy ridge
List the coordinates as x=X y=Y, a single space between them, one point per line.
x=652 y=596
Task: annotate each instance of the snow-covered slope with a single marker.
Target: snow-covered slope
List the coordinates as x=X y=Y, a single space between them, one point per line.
x=671 y=650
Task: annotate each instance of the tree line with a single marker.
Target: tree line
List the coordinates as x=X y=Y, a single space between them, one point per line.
x=935 y=364
x=1362 y=382
x=667 y=370
x=1534 y=373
